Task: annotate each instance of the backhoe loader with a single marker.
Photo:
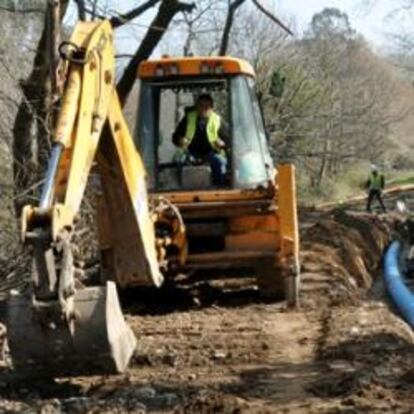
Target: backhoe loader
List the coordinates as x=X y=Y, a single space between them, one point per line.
x=157 y=217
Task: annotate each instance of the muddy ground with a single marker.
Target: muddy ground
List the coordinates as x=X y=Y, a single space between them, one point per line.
x=216 y=347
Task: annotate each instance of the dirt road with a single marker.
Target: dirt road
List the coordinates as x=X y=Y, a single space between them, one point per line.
x=216 y=347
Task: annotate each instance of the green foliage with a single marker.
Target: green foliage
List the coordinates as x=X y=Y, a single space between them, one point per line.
x=404 y=160
x=350 y=182
x=403 y=181
x=330 y=107
x=277 y=84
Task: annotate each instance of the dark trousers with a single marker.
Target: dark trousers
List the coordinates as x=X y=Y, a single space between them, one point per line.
x=218 y=164
x=375 y=194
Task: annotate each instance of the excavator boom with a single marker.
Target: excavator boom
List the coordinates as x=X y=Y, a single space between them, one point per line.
x=62 y=328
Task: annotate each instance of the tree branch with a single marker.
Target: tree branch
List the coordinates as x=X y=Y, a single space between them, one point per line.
x=81 y=9
x=227 y=25
x=121 y=19
x=166 y=12
x=117 y=21
x=272 y=17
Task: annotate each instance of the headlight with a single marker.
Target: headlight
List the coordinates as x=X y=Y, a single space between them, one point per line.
x=159 y=71
x=205 y=68
x=219 y=69
x=174 y=69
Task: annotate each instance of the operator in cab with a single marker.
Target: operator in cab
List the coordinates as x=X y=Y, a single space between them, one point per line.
x=201 y=135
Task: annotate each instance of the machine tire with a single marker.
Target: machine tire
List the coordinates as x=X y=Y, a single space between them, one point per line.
x=270 y=281
x=292 y=290
x=275 y=285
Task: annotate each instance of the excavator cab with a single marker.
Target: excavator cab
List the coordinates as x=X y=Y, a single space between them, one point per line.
x=169 y=88
x=250 y=222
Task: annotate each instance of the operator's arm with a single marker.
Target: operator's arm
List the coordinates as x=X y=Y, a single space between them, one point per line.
x=179 y=132
x=224 y=133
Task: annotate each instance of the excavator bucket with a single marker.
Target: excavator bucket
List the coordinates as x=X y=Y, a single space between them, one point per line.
x=101 y=342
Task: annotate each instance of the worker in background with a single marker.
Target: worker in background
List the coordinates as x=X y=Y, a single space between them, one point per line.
x=375 y=184
x=201 y=135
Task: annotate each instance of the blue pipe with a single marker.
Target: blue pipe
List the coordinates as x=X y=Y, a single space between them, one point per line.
x=399 y=292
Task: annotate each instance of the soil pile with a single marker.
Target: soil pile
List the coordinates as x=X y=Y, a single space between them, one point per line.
x=340 y=256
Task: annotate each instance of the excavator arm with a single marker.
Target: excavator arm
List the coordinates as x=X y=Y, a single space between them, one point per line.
x=62 y=327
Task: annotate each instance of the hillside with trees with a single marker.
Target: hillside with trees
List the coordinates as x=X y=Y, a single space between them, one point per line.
x=332 y=106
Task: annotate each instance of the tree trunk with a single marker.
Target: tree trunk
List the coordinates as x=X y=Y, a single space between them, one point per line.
x=324 y=162
x=24 y=124
x=81 y=9
x=227 y=26
x=48 y=107
x=31 y=116
x=166 y=12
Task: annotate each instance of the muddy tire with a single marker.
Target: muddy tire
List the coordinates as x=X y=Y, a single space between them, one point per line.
x=270 y=281
x=292 y=290
x=292 y=281
x=276 y=285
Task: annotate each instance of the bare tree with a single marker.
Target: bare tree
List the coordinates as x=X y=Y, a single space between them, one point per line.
x=81 y=9
x=232 y=8
x=328 y=101
x=31 y=113
x=166 y=12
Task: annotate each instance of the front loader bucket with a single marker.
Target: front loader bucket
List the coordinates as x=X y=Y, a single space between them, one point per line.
x=102 y=343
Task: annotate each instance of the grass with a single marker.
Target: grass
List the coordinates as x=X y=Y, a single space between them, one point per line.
x=349 y=184
x=402 y=178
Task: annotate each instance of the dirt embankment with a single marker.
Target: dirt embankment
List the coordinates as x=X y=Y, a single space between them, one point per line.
x=340 y=256
x=366 y=350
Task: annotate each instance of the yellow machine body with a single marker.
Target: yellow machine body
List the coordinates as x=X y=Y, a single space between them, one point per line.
x=145 y=235
x=259 y=226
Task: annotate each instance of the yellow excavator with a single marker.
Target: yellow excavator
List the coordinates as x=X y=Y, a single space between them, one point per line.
x=157 y=216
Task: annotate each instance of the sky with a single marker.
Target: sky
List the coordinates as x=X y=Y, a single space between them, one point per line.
x=374 y=19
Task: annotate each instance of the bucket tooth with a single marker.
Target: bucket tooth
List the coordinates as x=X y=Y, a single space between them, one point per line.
x=101 y=342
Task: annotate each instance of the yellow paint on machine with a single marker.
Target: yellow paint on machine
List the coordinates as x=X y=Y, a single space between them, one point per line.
x=134 y=174
x=194 y=66
x=287 y=211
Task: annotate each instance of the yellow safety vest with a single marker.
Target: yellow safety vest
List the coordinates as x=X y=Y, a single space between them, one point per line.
x=213 y=127
x=375 y=182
